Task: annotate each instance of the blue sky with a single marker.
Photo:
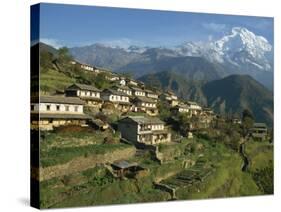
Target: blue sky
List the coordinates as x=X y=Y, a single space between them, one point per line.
x=72 y=25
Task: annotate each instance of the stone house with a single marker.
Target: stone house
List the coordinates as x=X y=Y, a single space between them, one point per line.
x=180 y=108
x=138 y=91
x=194 y=108
x=144 y=130
x=86 y=66
x=123 y=88
x=112 y=77
x=259 y=131
x=147 y=105
x=170 y=98
x=122 y=82
x=131 y=82
x=151 y=94
x=120 y=100
x=90 y=94
x=48 y=112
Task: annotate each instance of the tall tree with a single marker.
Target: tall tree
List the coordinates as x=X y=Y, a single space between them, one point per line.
x=247 y=122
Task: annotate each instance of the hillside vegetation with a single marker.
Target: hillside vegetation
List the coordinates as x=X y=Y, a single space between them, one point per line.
x=230 y=95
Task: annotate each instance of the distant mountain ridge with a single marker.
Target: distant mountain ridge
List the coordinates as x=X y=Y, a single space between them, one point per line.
x=238 y=52
x=231 y=94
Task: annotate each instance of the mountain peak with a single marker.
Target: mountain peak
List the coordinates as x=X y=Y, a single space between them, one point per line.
x=241 y=39
x=240 y=30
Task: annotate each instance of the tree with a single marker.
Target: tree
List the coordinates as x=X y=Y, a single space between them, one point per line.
x=64 y=55
x=184 y=124
x=264 y=178
x=46 y=60
x=164 y=110
x=247 y=122
x=101 y=82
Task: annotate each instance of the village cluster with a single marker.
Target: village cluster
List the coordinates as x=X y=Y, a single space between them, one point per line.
x=126 y=95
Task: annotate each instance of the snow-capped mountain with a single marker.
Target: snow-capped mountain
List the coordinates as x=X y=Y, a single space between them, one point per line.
x=240 y=48
x=238 y=52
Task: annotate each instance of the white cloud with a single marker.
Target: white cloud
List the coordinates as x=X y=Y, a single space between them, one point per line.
x=52 y=42
x=214 y=27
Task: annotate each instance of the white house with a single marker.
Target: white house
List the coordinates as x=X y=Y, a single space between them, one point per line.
x=147 y=105
x=122 y=82
x=181 y=108
x=143 y=130
x=125 y=89
x=88 y=93
x=194 y=108
x=53 y=111
x=138 y=91
x=151 y=94
x=120 y=100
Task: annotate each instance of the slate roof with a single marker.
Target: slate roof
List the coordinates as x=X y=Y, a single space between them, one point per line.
x=192 y=103
x=143 y=120
x=123 y=164
x=182 y=106
x=259 y=125
x=83 y=87
x=121 y=87
x=144 y=99
x=59 y=99
x=115 y=92
x=137 y=89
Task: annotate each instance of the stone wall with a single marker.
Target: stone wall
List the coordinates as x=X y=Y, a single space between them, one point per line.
x=83 y=163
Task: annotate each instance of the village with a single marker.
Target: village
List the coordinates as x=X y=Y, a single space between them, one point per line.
x=127 y=96
x=130 y=115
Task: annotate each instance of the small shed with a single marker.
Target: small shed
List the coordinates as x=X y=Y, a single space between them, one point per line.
x=124 y=168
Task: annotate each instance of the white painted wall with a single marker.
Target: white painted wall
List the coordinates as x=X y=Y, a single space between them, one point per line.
x=63 y=108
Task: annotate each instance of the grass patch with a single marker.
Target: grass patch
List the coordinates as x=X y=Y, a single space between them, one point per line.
x=260 y=154
x=73 y=139
x=57 y=155
x=52 y=80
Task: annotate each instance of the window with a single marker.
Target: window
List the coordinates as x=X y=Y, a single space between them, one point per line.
x=76 y=108
x=57 y=107
x=32 y=107
x=48 y=107
x=66 y=108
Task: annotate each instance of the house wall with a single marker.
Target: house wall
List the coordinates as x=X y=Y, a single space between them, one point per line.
x=85 y=67
x=62 y=108
x=146 y=104
x=47 y=124
x=128 y=131
x=195 y=107
x=83 y=93
x=139 y=93
x=183 y=110
x=117 y=98
x=125 y=91
x=122 y=82
x=161 y=138
x=157 y=127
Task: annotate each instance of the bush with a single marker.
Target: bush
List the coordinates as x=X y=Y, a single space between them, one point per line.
x=264 y=178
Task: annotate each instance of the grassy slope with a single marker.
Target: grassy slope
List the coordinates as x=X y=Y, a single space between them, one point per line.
x=52 y=80
x=96 y=187
x=259 y=153
x=227 y=181
x=59 y=148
